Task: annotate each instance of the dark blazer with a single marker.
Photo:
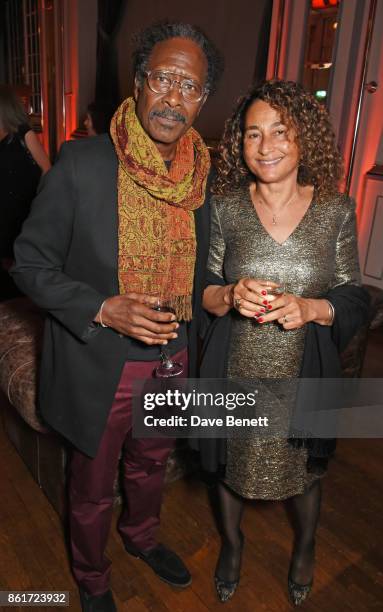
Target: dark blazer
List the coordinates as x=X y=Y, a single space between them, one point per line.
x=66 y=262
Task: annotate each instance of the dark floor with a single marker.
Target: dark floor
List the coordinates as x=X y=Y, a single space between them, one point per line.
x=349 y=570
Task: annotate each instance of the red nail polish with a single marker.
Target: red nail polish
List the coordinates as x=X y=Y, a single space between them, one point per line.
x=264 y=292
x=257 y=314
x=260 y=320
x=265 y=302
x=263 y=309
x=269 y=306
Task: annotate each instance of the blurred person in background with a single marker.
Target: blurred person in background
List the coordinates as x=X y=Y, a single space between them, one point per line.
x=98 y=117
x=22 y=161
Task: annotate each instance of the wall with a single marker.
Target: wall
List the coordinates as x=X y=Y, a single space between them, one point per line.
x=379 y=156
x=367 y=188
x=87 y=43
x=287 y=39
x=239 y=29
x=74 y=70
x=370 y=128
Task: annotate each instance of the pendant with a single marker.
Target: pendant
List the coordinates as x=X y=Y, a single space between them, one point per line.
x=274 y=221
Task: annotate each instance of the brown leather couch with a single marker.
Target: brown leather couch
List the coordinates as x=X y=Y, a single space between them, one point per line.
x=43 y=451
x=21 y=330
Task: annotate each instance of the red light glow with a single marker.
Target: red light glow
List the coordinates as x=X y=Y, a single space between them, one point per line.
x=323 y=4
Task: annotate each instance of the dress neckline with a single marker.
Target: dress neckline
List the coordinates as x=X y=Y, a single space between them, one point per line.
x=298 y=225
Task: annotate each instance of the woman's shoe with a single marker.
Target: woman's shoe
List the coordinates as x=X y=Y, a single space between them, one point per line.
x=298 y=593
x=226 y=588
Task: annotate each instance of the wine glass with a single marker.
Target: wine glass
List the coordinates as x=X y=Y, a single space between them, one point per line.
x=167 y=368
x=280 y=280
x=277 y=291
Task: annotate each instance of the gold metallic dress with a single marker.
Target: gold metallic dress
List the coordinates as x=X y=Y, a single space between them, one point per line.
x=321 y=253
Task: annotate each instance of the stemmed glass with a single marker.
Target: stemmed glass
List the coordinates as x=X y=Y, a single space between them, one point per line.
x=167 y=368
x=277 y=291
x=280 y=280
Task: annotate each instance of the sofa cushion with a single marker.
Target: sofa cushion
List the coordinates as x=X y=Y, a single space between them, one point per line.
x=21 y=331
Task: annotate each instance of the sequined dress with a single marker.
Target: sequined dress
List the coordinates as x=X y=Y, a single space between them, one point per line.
x=321 y=253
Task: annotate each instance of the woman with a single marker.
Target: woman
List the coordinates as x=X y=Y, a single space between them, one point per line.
x=22 y=160
x=278 y=223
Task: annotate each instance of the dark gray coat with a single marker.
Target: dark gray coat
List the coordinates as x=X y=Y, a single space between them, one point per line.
x=66 y=262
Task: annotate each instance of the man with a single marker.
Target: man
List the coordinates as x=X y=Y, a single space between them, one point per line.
x=112 y=228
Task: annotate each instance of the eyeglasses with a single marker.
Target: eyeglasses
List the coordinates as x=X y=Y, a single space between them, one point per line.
x=160 y=81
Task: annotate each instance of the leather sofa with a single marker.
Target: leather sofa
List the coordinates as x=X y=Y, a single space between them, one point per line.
x=43 y=451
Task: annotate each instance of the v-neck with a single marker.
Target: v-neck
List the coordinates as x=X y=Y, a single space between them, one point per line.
x=265 y=231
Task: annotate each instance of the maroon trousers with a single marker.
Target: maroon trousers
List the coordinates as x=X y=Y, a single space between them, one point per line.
x=91 y=486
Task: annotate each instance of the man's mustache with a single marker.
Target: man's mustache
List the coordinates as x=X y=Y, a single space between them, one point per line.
x=167 y=113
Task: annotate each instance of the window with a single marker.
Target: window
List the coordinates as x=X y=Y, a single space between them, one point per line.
x=23 y=52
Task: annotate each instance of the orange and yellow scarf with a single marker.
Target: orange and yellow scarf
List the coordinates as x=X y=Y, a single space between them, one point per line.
x=156 y=235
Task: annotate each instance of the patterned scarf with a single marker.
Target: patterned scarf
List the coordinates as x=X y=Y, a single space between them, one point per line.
x=156 y=235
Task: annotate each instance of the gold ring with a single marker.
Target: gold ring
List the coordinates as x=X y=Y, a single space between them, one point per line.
x=237 y=302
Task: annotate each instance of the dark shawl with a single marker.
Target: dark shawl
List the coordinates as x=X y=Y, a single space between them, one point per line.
x=321 y=359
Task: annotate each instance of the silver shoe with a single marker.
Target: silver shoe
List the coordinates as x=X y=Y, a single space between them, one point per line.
x=298 y=593
x=225 y=589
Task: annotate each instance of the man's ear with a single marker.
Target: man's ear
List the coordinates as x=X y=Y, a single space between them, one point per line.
x=137 y=87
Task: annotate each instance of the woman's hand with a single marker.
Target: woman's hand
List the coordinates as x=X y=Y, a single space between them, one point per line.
x=293 y=312
x=248 y=296
x=251 y=296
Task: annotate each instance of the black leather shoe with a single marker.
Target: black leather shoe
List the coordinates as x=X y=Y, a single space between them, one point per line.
x=97 y=603
x=165 y=563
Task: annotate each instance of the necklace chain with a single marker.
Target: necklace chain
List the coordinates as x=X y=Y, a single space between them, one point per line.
x=274 y=219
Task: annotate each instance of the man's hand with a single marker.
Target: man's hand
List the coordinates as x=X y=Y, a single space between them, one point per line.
x=132 y=315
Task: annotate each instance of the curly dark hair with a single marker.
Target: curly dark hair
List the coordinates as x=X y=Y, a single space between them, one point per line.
x=320 y=160
x=164 y=30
